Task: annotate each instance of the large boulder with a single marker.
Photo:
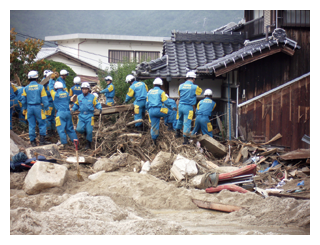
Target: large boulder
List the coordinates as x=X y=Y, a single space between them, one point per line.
x=44 y=175
x=105 y=164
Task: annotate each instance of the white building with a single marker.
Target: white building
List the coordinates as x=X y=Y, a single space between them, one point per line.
x=86 y=53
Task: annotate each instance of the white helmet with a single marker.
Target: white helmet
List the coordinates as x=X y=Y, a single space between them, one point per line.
x=64 y=72
x=58 y=85
x=207 y=92
x=167 y=96
x=108 y=78
x=96 y=95
x=85 y=85
x=157 y=81
x=46 y=72
x=49 y=73
x=191 y=74
x=77 y=80
x=32 y=74
x=129 y=78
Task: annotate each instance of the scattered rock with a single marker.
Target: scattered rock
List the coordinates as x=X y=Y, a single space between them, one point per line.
x=161 y=159
x=14 y=149
x=44 y=175
x=96 y=175
x=48 y=151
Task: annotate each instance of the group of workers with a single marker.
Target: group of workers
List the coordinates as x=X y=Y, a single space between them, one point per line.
x=50 y=106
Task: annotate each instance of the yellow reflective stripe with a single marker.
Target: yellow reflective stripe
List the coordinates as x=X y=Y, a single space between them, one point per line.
x=14 y=88
x=130 y=92
x=198 y=105
x=24 y=93
x=163 y=97
x=177 y=117
x=209 y=126
x=109 y=103
x=20 y=104
x=43 y=92
x=146 y=87
x=92 y=121
x=190 y=115
x=214 y=106
x=53 y=93
x=136 y=109
x=43 y=114
x=77 y=102
x=110 y=88
x=147 y=99
x=198 y=90
x=164 y=110
x=94 y=102
x=58 y=123
x=66 y=89
x=70 y=93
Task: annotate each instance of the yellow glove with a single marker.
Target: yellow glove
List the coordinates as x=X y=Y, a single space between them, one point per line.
x=24 y=112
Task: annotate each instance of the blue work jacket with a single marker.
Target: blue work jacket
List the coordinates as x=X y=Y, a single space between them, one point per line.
x=138 y=90
x=109 y=91
x=156 y=97
x=188 y=93
x=34 y=94
x=205 y=107
x=61 y=99
x=86 y=104
x=76 y=89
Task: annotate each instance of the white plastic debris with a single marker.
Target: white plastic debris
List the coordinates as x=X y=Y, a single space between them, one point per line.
x=145 y=167
x=186 y=166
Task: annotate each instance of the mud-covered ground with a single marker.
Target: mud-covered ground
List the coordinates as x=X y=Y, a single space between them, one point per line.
x=125 y=203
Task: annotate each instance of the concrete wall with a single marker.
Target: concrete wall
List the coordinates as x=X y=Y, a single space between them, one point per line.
x=102 y=48
x=78 y=68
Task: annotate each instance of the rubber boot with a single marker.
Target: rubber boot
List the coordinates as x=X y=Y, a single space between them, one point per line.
x=154 y=141
x=186 y=141
x=170 y=127
x=178 y=133
x=88 y=145
x=43 y=141
x=33 y=143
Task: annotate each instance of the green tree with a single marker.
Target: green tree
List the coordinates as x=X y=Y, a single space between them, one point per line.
x=118 y=72
x=58 y=66
x=22 y=55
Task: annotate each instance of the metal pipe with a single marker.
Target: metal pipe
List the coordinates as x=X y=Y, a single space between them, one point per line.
x=276 y=19
x=229 y=110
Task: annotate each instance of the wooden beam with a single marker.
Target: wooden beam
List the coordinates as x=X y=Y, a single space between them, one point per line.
x=111 y=109
x=216 y=206
x=251 y=59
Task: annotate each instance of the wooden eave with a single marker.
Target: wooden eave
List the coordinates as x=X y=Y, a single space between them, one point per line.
x=254 y=58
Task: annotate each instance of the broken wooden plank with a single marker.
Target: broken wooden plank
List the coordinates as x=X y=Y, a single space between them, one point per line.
x=285 y=195
x=131 y=135
x=266 y=153
x=297 y=154
x=213 y=146
x=17 y=79
x=216 y=206
x=18 y=141
x=278 y=136
x=239 y=155
x=134 y=122
x=45 y=81
x=110 y=110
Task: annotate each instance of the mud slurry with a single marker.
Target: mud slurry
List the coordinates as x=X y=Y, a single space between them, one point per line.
x=130 y=203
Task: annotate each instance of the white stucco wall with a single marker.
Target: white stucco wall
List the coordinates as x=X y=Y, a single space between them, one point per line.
x=75 y=66
x=100 y=49
x=214 y=85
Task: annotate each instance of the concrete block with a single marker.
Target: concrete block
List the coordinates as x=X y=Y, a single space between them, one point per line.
x=217 y=149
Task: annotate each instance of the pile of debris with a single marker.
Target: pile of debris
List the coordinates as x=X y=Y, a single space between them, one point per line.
x=206 y=163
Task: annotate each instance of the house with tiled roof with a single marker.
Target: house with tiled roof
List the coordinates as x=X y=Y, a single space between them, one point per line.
x=253 y=69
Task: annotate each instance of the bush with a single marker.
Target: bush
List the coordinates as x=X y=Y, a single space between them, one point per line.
x=118 y=72
x=58 y=66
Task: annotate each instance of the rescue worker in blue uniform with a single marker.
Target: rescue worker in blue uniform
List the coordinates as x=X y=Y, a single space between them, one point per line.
x=203 y=112
x=86 y=102
x=76 y=89
x=62 y=78
x=154 y=105
x=32 y=96
x=171 y=118
x=63 y=118
x=18 y=108
x=50 y=114
x=109 y=91
x=138 y=90
x=188 y=92
x=13 y=96
x=52 y=80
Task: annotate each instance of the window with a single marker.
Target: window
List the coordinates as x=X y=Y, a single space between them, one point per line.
x=257 y=14
x=295 y=18
x=121 y=56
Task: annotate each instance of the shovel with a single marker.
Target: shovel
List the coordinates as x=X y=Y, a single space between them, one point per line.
x=76 y=143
